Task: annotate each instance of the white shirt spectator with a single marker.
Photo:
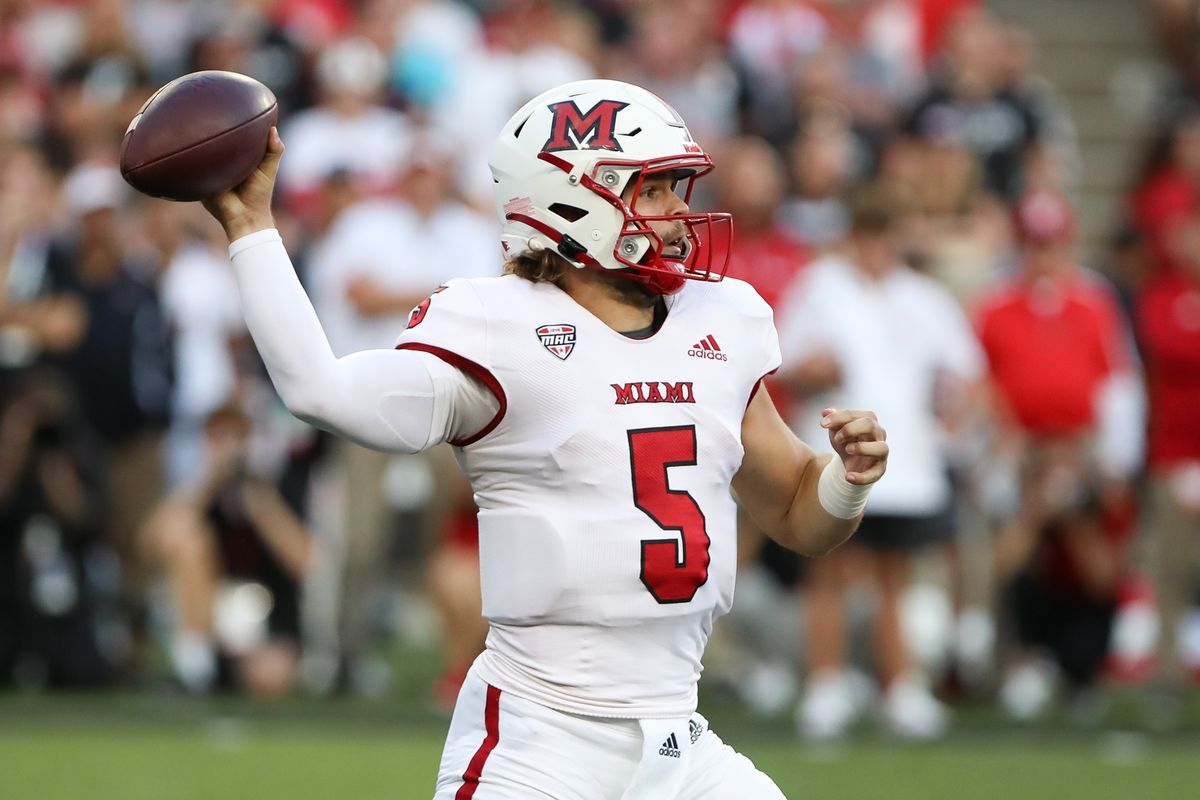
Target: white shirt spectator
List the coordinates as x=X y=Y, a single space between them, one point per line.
x=892 y=338
x=201 y=303
x=404 y=253
x=350 y=130
x=200 y=299
x=371 y=146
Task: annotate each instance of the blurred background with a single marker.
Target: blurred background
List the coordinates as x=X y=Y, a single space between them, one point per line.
x=980 y=219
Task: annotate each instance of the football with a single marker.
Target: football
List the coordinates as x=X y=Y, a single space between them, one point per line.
x=198 y=136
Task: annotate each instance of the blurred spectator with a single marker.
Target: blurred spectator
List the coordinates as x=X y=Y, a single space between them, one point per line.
x=906 y=343
x=764 y=254
x=1168 y=320
x=121 y=366
x=883 y=41
x=433 y=37
x=1167 y=197
x=824 y=96
x=1068 y=415
x=201 y=306
x=936 y=17
x=92 y=103
x=60 y=624
x=1059 y=350
x=1062 y=598
x=1177 y=22
x=767 y=38
x=969 y=103
x=382 y=257
x=379 y=260
x=233 y=555
x=944 y=184
x=21 y=106
x=1056 y=164
x=34 y=319
x=266 y=40
x=822 y=157
x=530 y=46
x=675 y=55
x=350 y=130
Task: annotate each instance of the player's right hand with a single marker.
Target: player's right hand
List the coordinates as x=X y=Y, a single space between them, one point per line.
x=246 y=208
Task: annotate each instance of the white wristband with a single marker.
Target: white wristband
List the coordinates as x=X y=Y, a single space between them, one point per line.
x=837 y=496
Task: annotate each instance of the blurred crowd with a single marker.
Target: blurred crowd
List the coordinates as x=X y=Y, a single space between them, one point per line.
x=903 y=185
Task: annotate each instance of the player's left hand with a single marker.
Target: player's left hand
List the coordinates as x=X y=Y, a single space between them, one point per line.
x=860 y=441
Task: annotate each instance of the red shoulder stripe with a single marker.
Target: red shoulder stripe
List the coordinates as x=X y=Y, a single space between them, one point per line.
x=473 y=369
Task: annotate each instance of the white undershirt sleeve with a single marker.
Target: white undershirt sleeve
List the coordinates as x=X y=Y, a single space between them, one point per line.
x=395 y=400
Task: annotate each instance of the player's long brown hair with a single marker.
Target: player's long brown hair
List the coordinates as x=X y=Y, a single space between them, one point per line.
x=537 y=266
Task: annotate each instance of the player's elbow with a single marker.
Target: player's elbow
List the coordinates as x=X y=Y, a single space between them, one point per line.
x=306 y=405
x=821 y=547
x=311 y=407
x=813 y=540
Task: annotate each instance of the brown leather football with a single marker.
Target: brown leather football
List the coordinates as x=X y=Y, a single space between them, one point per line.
x=198 y=136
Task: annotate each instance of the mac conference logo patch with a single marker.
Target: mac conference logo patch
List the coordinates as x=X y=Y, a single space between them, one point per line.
x=558 y=339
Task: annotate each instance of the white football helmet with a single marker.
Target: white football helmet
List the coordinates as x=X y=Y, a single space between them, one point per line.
x=562 y=162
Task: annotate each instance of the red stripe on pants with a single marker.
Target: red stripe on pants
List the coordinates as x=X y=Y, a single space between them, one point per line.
x=491 y=723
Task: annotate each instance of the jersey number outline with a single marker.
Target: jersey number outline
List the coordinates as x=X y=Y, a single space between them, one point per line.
x=417 y=315
x=669 y=575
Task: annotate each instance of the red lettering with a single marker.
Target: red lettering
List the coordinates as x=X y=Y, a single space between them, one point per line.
x=653 y=392
x=624 y=393
x=675 y=392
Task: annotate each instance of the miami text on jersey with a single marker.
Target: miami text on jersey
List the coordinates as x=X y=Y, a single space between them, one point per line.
x=654 y=392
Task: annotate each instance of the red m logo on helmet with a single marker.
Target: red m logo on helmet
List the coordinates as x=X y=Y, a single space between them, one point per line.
x=599 y=123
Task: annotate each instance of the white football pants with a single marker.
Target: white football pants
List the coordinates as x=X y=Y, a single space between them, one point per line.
x=502 y=747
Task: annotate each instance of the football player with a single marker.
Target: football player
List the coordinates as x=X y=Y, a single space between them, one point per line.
x=604 y=399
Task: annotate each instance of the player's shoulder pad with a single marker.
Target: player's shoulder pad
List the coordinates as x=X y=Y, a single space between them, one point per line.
x=453 y=319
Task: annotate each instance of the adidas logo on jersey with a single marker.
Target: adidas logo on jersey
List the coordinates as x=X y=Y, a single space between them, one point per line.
x=670 y=747
x=708 y=348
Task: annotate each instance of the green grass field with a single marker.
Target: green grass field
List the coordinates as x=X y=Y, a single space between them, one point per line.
x=148 y=747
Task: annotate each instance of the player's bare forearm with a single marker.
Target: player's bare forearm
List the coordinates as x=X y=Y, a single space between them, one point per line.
x=780 y=475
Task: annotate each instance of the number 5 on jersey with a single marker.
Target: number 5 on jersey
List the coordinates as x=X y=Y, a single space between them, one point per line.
x=672 y=570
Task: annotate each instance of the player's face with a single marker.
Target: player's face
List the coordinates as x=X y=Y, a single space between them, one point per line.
x=657 y=197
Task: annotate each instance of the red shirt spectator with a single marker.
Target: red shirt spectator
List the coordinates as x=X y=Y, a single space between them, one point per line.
x=936 y=16
x=769 y=261
x=764 y=254
x=1167 y=197
x=1168 y=320
x=1050 y=346
x=1055 y=335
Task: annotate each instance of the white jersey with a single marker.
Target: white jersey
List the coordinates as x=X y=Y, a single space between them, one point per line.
x=606 y=527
